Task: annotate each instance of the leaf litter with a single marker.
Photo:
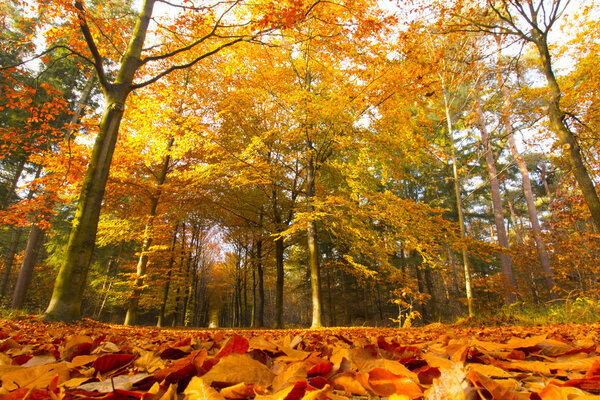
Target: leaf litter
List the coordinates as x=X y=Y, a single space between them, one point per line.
x=89 y=360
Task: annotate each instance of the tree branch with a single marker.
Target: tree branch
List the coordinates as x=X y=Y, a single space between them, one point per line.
x=191 y=63
x=85 y=29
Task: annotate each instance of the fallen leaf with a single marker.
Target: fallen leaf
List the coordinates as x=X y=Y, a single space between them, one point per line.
x=109 y=362
x=198 y=389
x=238 y=368
x=124 y=382
x=39 y=376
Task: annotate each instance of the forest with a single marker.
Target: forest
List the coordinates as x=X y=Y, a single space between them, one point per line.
x=299 y=163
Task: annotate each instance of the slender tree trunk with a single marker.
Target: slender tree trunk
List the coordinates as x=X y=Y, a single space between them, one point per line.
x=567 y=139
x=65 y=304
x=429 y=285
x=31 y=252
x=528 y=191
x=279 y=250
x=508 y=279
x=330 y=302
x=34 y=244
x=345 y=297
x=131 y=316
x=9 y=259
x=165 y=296
x=459 y=207
x=260 y=301
x=518 y=226
x=311 y=233
x=544 y=174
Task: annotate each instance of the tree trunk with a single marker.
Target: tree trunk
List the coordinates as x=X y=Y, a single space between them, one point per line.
x=65 y=304
x=131 y=316
x=165 y=297
x=279 y=250
x=36 y=233
x=260 y=301
x=508 y=279
x=459 y=207
x=9 y=260
x=311 y=233
x=36 y=237
x=527 y=190
x=330 y=302
x=567 y=139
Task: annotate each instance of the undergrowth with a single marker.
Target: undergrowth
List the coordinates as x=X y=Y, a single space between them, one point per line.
x=561 y=311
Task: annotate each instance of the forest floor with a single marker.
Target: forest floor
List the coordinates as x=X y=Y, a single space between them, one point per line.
x=40 y=360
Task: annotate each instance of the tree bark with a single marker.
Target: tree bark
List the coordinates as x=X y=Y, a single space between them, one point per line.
x=567 y=139
x=165 y=297
x=260 y=301
x=131 y=316
x=9 y=259
x=311 y=234
x=533 y=215
x=36 y=237
x=65 y=304
x=508 y=279
x=279 y=251
x=459 y=207
x=332 y=321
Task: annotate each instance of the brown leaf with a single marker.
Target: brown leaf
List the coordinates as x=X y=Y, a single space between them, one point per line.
x=497 y=390
x=240 y=391
x=77 y=345
x=385 y=383
x=124 y=382
x=550 y=347
x=80 y=361
x=39 y=376
x=238 y=368
x=198 y=389
x=148 y=361
x=260 y=343
x=348 y=382
x=518 y=343
x=39 y=360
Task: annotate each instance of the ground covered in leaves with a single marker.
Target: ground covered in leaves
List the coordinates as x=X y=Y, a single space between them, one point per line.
x=90 y=360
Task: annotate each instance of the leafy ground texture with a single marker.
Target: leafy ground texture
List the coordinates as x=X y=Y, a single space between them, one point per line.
x=89 y=360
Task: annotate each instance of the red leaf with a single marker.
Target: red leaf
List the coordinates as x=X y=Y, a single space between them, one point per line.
x=171 y=353
x=180 y=370
x=235 y=344
x=594 y=370
x=110 y=362
x=31 y=394
x=298 y=391
x=320 y=369
x=22 y=359
x=428 y=374
x=318 y=382
x=184 y=342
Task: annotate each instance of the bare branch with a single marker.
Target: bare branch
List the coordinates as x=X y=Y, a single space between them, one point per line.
x=191 y=63
x=47 y=51
x=190 y=46
x=85 y=29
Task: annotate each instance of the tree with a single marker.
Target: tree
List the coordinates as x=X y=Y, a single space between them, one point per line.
x=532 y=21
x=210 y=39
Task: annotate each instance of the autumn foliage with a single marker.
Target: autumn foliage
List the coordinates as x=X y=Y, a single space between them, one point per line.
x=91 y=360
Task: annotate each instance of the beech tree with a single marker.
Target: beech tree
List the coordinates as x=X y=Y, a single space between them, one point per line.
x=210 y=38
